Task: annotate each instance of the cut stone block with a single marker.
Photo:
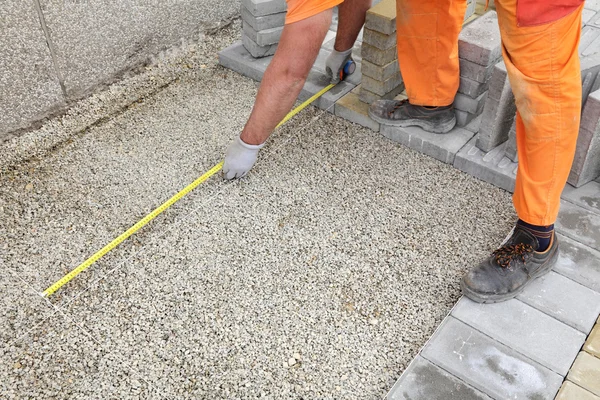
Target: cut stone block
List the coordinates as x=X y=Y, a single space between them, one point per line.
x=487 y=365
x=238 y=59
x=256 y=50
x=479 y=42
x=586 y=372
x=379 y=40
x=492 y=167
x=468 y=104
x=380 y=73
x=579 y=263
x=570 y=391
x=579 y=224
x=265 y=37
x=463 y=118
x=473 y=126
x=441 y=147
x=378 y=56
x=471 y=88
x=586 y=165
x=352 y=109
x=317 y=81
x=424 y=380
x=511 y=143
x=589 y=34
x=587 y=15
x=476 y=72
x=563 y=299
x=264 y=22
x=382 y=87
x=586 y=196
x=593 y=5
x=524 y=329
x=470 y=10
x=259 y=8
x=592 y=344
x=382 y=17
x=369 y=97
x=499 y=111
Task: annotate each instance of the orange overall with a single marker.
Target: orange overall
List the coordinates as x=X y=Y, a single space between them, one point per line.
x=540 y=39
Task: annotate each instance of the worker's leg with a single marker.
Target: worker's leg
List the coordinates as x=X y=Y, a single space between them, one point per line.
x=351 y=20
x=543 y=67
x=284 y=78
x=427 y=33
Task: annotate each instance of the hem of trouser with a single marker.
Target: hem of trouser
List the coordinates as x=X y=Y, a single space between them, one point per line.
x=429 y=103
x=536 y=220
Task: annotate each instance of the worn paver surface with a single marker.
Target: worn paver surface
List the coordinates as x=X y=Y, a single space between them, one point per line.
x=319 y=276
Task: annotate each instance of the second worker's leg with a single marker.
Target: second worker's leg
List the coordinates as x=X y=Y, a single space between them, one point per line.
x=427 y=33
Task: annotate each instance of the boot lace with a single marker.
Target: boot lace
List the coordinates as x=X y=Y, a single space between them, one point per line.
x=506 y=254
x=397 y=106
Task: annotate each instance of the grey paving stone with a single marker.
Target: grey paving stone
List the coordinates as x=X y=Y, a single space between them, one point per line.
x=382 y=87
x=379 y=40
x=264 y=22
x=524 y=329
x=463 y=118
x=380 y=73
x=564 y=300
x=424 y=380
x=29 y=86
x=441 y=147
x=468 y=104
x=579 y=224
x=378 y=56
x=492 y=167
x=593 y=5
x=369 y=97
x=470 y=9
x=352 y=109
x=579 y=263
x=265 y=37
x=487 y=365
x=586 y=196
x=476 y=72
x=511 y=143
x=256 y=50
x=238 y=59
x=473 y=126
x=479 y=42
x=472 y=88
x=317 y=81
x=586 y=165
x=260 y=8
x=588 y=35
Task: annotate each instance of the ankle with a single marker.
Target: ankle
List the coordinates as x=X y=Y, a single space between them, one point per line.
x=543 y=233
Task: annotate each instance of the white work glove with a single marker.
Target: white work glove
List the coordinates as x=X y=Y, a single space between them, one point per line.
x=335 y=63
x=240 y=158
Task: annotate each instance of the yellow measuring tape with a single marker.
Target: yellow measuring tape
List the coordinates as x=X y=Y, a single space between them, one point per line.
x=87 y=263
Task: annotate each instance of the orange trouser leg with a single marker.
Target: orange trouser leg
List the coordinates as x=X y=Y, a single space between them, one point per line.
x=427 y=32
x=543 y=68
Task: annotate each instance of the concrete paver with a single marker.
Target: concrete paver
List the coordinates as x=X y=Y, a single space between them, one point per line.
x=570 y=391
x=592 y=344
x=579 y=263
x=525 y=329
x=586 y=372
x=487 y=365
x=579 y=224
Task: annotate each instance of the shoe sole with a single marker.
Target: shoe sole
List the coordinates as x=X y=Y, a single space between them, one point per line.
x=443 y=127
x=485 y=299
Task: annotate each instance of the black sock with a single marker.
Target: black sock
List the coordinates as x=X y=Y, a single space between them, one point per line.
x=542 y=233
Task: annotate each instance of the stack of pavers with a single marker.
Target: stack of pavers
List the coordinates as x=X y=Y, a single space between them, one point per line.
x=479 y=50
x=262 y=24
x=381 y=77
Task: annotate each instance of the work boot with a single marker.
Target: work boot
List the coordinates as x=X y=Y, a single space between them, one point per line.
x=509 y=269
x=402 y=113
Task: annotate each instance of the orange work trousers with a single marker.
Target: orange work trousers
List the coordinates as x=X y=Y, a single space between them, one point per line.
x=543 y=68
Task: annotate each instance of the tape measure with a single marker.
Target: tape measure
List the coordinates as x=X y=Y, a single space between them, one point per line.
x=99 y=254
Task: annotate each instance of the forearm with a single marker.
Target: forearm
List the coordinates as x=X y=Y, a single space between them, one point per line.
x=351 y=20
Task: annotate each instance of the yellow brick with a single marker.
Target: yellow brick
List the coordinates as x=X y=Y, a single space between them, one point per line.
x=592 y=344
x=586 y=372
x=382 y=17
x=570 y=391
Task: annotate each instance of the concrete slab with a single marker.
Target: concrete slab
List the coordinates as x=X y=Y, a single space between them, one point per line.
x=570 y=391
x=352 y=109
x=316 y=82
x=255 y=49
x=564 y=300
x=238 y=59
x=524 y=329
x=579 y=224
x=479 y=42
x=424 y=380
x=493 y=167
x=264 y=22
x=488 y=365
x=382 y=17
x=586 y=373
x=264 y=37
x=592 y=344
x=586 y=196
x=469 y=104
x=260 y=8
x=442 y=147
x=29 y=84
x=586 y=164
x=579 y=263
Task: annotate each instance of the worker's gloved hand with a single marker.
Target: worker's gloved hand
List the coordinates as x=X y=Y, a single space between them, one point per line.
x=240 y=158
x=335 y=63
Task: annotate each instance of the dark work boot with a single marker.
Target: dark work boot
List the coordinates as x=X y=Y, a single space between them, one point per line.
x=509 y=269
x=402 y=113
